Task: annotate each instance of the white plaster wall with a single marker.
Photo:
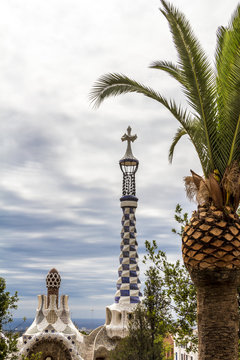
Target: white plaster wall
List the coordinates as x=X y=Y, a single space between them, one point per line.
x=180 y=353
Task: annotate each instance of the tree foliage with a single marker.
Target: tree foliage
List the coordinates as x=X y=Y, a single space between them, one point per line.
x=36 y=356
x=8 y=340
x=181 y=294
x=181 y=218
x=138 y=344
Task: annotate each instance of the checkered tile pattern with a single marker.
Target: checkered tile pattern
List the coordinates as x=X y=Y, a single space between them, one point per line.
x=128 y=284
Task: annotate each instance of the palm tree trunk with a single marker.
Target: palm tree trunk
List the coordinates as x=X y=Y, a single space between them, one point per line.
x=218 y=313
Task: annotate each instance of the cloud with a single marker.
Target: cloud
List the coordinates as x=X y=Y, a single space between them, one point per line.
x=60 y=181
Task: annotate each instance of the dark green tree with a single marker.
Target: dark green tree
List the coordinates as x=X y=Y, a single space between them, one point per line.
x=32 y=357
x=180 y=292
x=8 y=340
x=158 y=312
x=181 y=218
x=138 y=344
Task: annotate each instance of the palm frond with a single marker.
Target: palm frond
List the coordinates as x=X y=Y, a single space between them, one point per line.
x=180 y=132
x=170 y=68
x=228 y=89
x=195 y=132
x=197 y=74
x=116 y=84
x=221 y=31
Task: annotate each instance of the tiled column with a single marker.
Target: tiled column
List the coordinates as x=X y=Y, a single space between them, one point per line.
x=128 y=284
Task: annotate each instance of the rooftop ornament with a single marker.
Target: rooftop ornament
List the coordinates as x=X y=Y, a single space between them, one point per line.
x=129 y=165
x=53 y=281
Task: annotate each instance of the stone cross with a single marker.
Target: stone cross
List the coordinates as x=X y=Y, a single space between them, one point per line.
x=129 y=138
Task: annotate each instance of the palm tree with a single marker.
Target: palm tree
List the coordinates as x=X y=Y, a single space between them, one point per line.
x=211 y=241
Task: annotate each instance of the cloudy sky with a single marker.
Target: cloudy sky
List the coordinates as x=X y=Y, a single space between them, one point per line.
x=60 y=181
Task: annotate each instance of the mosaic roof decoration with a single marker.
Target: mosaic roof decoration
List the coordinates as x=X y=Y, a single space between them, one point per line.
x=53 y=279
x=52 y=320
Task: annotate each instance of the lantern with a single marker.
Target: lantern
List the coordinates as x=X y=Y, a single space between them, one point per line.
x=129 y=165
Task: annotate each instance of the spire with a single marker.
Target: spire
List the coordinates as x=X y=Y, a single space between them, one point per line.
x=129 y=165
x=53 y=281
x=128 y=284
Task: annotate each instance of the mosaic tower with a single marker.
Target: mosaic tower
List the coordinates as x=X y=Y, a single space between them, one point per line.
x=52 y=332
x=128 y=284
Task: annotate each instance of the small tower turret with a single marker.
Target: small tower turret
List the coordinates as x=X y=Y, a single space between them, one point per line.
x=52 y=331
x=53 y=282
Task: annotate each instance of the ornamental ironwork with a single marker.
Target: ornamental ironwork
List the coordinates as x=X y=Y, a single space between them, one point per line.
x=129 y=165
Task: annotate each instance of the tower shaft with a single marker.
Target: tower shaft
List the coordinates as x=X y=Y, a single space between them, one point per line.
x=128 y=284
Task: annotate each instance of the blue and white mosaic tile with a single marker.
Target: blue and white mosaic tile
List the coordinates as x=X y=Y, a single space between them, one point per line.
x=128 y=284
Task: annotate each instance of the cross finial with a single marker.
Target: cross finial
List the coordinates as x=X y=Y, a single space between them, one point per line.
x=129 y=138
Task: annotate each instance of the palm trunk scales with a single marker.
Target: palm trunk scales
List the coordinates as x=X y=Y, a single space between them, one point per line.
x=211 y=253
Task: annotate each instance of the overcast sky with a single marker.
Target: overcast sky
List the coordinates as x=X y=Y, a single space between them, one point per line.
x=60 y=181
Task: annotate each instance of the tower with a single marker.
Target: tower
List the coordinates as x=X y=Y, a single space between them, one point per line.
x=128 y=284
x=52 y=332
